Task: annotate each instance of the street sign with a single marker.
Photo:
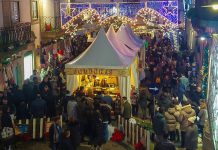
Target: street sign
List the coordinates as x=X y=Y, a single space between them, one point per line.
x=153 y=89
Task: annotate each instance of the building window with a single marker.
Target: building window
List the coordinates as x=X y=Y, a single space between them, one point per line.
x=15 y=12
x=35 y=15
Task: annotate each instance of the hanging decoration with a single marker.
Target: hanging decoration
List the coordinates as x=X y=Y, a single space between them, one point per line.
x=167 y=9
x=204 y=72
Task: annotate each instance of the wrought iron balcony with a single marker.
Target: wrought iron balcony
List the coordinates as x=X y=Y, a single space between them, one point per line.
x=15 y=36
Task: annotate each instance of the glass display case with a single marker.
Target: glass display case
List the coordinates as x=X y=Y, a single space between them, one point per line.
x=212 y=95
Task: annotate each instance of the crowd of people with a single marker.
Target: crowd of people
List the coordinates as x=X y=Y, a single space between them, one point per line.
x=178 y=113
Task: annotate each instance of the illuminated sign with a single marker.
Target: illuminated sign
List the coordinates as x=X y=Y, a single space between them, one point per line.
x=97 y=71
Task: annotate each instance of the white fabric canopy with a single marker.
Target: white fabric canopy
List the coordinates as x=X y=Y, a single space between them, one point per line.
x=124 y=86
x=100 y=54
x=73 y=82
x=124 y=36
x=139 y=42
x=118 y=45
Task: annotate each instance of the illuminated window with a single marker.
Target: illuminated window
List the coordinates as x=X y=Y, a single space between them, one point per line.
x=28 y=65
x=34 y=7
x=15 y=12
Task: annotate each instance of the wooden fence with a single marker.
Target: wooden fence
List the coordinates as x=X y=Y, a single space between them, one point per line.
x=36 y=128
x=134 y=133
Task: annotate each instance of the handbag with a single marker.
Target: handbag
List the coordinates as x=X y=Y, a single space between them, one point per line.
x=7 y=132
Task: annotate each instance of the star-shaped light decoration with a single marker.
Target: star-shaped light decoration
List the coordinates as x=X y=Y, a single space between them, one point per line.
x=169 y=9
x=68 y=11
x=91 y=19
x=72 y=29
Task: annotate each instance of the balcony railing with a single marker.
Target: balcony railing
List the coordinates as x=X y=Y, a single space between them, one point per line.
x=50 y=24
x=15 y=36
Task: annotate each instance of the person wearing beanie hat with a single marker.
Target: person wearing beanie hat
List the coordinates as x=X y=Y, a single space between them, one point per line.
x=191 y=136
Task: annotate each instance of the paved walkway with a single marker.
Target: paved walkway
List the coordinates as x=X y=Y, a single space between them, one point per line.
x=44 y=146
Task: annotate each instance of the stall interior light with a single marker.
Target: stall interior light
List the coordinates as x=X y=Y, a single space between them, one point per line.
x=202 y=38
x=215 y=7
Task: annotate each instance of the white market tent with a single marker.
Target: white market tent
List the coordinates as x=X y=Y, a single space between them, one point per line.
x=100 y=58
x=129 y=38
x=126 y=38
x=126 y=51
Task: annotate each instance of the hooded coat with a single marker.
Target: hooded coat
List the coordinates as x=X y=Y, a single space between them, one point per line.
x=186 y=113
x=159 y=124
x=170 y=119
x=191 y=137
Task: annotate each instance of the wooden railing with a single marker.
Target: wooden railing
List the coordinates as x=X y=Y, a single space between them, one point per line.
x=15 y=35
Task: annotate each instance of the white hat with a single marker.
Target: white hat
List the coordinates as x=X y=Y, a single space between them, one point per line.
x=192 y=119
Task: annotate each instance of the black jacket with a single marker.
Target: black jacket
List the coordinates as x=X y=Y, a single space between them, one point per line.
x=38 y=107
x=75 y=135
x=67 y=144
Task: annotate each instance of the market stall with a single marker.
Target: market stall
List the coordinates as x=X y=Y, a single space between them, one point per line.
x=101 y=67
x=126 y=51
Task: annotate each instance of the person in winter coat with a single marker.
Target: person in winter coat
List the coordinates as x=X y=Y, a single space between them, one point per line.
x=7 y=125
x=22 y=111
x=45 y=82
x=126 y=109
x=55 y=134
x=134 y=103
x=186 y=112
x=39 y=107
x=81 y=115
x=165 y=144
x=171 y=122
x=66 y=141
x=164 y=100
x=159 y=124
x=177 y=115
x=46 y=94
x=72 y=108
x=202 y=117
x=75 y=135
x=28 y=92
x=97 y=135
x=105 y=110
x=191 y=136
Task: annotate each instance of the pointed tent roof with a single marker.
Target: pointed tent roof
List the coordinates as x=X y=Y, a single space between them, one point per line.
x=124 y=36
x=134 y=37
x=123 y=49
x=100 y=54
